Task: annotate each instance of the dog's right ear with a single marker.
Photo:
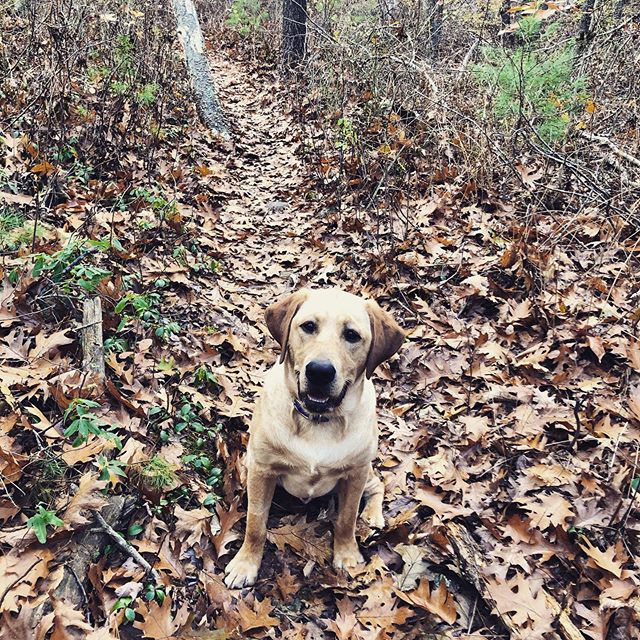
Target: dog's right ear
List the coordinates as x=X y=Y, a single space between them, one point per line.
x=279 y=315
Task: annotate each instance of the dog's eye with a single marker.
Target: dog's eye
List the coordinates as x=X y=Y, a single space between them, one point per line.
x=308 y=327
x=351 y=336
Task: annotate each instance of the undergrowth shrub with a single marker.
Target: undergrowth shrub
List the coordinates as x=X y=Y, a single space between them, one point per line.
x=247 y=16
x=534 y=83
x=401 y=102
x=103 y=73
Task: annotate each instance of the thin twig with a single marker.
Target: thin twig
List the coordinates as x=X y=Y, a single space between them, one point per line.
x=125 y=546
x=609 y=143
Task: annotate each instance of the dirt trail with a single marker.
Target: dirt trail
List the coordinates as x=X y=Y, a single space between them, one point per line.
x=265 y=222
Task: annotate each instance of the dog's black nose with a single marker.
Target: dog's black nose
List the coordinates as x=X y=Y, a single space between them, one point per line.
x=320 y=372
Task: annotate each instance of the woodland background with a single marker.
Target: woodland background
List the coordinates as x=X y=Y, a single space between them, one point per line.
x=474 y=166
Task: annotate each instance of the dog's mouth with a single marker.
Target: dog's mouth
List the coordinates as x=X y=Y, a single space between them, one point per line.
x=321 y=401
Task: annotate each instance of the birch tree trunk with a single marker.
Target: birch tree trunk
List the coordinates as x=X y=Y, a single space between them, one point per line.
x=206 y=95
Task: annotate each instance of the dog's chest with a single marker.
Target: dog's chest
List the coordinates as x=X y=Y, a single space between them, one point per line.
x=308 y=485
x=317 y=467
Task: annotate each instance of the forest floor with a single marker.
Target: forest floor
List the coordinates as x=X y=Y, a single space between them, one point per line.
x=509 y=421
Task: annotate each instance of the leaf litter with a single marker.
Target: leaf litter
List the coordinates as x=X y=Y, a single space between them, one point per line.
x=509 y=421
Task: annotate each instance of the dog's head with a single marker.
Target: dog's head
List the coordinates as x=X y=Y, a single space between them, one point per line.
x=329 y=339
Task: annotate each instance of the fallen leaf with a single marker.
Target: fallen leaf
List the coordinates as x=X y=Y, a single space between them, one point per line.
x=437 y=601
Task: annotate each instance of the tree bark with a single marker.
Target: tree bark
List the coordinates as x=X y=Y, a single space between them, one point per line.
x=79 y=557
x=619 y=10
x=508 y=39
x=435 y=26
x=471 y=560
x=584 y=30
x=294 y=32
x=197 y=64
x=91 y=340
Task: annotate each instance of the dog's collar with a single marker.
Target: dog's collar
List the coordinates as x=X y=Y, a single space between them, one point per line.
x=314 y=417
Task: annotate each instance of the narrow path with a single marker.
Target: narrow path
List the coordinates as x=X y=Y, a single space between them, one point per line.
x=266 y=223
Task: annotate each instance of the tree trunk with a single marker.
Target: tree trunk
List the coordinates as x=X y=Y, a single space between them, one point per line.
x=584 y=30
x=619 y=10
x=508 y=39
x=81 y=552
x=204 y=88
x=435 y=26
x=294 y=32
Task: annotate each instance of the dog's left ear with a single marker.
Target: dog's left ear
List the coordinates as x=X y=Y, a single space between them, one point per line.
x=279 y=315
x=386 y=337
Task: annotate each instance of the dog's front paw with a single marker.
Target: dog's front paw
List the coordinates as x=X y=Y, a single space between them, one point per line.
x=372 y=516
x=347 y=557
x=242 y=571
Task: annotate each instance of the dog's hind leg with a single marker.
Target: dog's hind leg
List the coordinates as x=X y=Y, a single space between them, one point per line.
x=373 y=495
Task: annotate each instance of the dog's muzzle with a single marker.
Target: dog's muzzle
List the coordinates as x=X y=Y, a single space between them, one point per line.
x=321 y=402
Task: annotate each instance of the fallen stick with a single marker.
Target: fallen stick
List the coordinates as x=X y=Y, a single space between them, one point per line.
x=470 y=559
x=466 y=60
x=77 y=560
x=609 y=143
x=125 y=546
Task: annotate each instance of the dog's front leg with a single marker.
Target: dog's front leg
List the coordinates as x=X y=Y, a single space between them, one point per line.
x=345 y=548
x=242 y=571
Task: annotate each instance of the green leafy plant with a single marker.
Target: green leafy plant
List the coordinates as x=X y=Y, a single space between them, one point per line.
x=163 y=207
x=247 y=16
x=208 y=266
x=123 y=53
x=116 y=344
x=151 y=592
x=119 y=87
x=204 y=377
x=66 y=267
x=347 y=134
x=210 y=500
x=95 y=73
x=202 y=462
x=167 y=329
x=143 y=306
x=88 y=276
x=187 y=417
x=154 y=592
x=41 y=520
x=110 y=470
x=67 y=151
x=180 y=255
x=533 y=83
x=123 y=603
x=200 y=439
x=148 y=94
x=83 y=422
x=57 y=264
x=146 y=308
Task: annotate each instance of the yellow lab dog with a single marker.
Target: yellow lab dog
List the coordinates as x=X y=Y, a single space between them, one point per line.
x=314 y=426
